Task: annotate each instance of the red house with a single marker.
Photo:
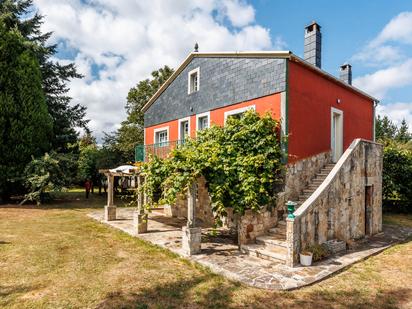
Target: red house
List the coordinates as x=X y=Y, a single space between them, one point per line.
x=334 y=168
x=318 y=111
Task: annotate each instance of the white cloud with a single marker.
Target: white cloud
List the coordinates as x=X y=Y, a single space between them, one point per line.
x=385 y=48
x=388 y=52
x=239 y=13
x=381 y=81
x=128 y=39
x=397 y=112
x=399 y=29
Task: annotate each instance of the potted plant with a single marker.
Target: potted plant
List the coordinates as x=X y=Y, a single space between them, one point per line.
x=313 y=253
x=306 y=258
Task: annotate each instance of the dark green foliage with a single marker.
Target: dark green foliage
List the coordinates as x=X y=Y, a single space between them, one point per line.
x=54 y=76
x=130 y=133
x=241 y=163
x=397 y=164
x=397 y=176
x=403 y=134
x=386 y=129
x=25 y=125
x=45 y=174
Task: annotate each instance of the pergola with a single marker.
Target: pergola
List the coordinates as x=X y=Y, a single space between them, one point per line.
x=191 y=238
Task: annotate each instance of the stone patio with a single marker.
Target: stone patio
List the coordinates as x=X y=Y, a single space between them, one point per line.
x=221 y=254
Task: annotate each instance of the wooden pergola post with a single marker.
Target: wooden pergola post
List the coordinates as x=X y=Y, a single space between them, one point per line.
x=110 y=208
x=140 y=216
x=192 y=235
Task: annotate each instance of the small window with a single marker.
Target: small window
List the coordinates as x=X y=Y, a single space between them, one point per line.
x=161 y=138
x=193 y=78
x=237 y=113
x=202 y=121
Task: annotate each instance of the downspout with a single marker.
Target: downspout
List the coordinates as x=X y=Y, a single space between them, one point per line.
x=285 y=142
x=375 y=103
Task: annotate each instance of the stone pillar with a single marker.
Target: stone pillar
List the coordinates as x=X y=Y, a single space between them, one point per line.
x=110 y=209
x=293 y=241
x=192 y=236
x=140 y=216
x=191 y=240
x=191 y=205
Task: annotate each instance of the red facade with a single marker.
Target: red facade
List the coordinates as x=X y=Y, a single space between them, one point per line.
x=310 y=99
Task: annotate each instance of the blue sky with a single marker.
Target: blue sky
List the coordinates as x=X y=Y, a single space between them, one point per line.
x=117 y=43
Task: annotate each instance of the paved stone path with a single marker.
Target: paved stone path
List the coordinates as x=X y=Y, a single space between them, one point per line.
x=222 y=256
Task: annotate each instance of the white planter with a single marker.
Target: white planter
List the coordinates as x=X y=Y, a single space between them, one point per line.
x=305 y=260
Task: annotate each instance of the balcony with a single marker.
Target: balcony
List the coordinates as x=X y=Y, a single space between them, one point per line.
x=160 y=150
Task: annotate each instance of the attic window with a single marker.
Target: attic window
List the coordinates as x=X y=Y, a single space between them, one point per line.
x=193 y=81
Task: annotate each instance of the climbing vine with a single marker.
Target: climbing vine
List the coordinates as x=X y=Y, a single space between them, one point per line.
x=241 y=162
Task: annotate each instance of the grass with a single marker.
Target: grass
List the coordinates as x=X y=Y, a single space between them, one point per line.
x=398 y=219
x=56 y=257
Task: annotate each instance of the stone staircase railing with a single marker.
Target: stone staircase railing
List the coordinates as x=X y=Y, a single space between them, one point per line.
x=336 y=209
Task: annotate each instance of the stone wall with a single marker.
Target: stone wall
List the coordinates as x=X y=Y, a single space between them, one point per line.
x=253 y=224
x=338 y=208
x=203 y=211
x=298 y=176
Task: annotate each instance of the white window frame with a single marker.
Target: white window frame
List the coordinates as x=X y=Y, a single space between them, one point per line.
x=198 y=116
x=157 y=130
x=179 y=129
x=238 y=111
x=197 y=71
x=340 y=130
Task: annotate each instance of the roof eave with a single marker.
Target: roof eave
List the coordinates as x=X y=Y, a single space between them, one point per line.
x=331 y=77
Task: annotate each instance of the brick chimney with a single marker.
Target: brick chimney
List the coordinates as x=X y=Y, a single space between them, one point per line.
x=313 y=44
x=346 y=73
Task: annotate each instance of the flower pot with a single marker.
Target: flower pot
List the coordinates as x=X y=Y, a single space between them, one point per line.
x=306 y=258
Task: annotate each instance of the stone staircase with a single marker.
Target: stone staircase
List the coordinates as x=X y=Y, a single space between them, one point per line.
x=274 y=246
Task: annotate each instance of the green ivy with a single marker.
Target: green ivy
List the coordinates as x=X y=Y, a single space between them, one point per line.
x=241 y=162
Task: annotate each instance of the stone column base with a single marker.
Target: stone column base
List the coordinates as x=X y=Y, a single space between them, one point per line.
x=140 y=222
x=191 y=240
x=109 y=213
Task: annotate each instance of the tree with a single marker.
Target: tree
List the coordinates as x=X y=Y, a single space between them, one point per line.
x=385 y=128
x=25 y=124
x=17 y=14
x=397 y=163
x=403 y=134
x=46 y=174
x=130 y=133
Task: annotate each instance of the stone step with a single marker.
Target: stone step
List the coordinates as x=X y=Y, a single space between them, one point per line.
x=313 y=187
x=281 y=222
x=326 y=169
x=275 y=242
x=262 y=252
x=278 y=231
x=308 y=191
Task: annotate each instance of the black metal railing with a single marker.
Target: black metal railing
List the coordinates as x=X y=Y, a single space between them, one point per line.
x=160 y=150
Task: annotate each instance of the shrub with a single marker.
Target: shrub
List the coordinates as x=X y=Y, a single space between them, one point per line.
x=241 y=163
x=319 y=251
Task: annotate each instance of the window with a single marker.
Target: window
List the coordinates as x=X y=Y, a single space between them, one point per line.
x=161 y=136
x=193 y=81
x=184 y=128
x=238 y=112
x=202 y=121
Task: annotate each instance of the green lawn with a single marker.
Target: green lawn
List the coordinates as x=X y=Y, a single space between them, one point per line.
x=56 y=257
